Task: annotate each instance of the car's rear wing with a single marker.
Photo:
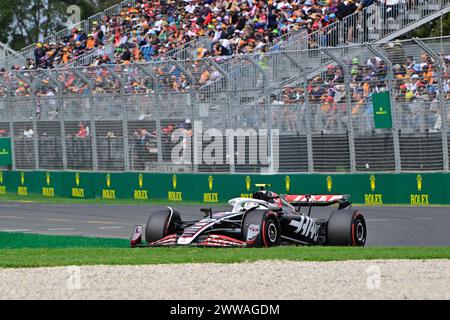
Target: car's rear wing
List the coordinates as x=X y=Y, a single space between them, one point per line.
x=310 y=200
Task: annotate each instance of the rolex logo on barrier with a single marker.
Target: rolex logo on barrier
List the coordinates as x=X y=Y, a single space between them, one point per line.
x=48 y=191
x=372 y=183
x=77 y=192
x=248 y=184
x=22 y=190
x=210 y=183
x=209 y=197
x=140 y=194
x=419 y=199
x=329 y=183
x=108 y=193
x=2 y=188
x=373 y=198
x=140 y=180
x=174 y=195
x=287 y=180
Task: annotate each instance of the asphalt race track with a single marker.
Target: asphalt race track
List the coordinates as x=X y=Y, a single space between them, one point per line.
x=387 y=226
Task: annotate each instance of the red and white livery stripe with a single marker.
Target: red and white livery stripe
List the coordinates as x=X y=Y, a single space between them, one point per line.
x=221 y=241
x=166 y=241
x=314 y=198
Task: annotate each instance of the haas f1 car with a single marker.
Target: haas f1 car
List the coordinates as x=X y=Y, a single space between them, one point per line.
x=266 y=220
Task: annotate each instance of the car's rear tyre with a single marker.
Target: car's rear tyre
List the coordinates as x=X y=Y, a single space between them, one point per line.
x=346 y=228
x=261 y=229
x=161 y=223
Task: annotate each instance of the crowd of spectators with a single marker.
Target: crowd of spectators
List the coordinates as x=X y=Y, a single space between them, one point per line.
x=416 y=93
x=151 y=29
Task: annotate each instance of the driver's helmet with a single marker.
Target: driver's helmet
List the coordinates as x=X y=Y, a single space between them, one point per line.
x=268 y=196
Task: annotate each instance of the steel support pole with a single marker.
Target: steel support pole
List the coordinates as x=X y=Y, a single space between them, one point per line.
x=196 y=143
x=62 y=126
x=443 y=106
x=126 y=158
x=93 y=131
x=9 y=104
x=348 y=102
x=268 y=105
x=308 y=120
x=158 y=110
x=35 y=131
x=391 y=85
x=230 y=142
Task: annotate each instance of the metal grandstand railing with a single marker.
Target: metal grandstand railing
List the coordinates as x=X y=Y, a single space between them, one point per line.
x=324 y=121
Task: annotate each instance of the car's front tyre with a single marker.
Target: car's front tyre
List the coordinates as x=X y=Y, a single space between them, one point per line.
x=161 y=223
x=261 y=229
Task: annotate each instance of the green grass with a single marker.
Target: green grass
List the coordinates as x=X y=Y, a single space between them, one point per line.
x=30 y=250
x=124 y=256
x=9 y=240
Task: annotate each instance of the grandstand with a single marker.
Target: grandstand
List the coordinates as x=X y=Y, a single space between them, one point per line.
x=312 y=79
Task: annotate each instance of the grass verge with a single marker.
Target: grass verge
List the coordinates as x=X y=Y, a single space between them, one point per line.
x=29 y=250
x=124 y=256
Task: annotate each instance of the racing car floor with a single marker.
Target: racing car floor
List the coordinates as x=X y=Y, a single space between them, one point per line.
x=387 y=226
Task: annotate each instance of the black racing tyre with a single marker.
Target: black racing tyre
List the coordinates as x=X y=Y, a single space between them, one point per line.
x=346 y=228
x=261 y=229
x=161 y=223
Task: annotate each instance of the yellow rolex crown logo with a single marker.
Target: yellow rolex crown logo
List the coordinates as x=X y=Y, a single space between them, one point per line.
x=47 y=178
x=108 y=180
x=174 y=181
x=248 y=181
x=22 y=177
x=372 y=183
x=1 y=177
x=288 y=183
x=419 y=182
x=77 y=179
x=141 y=180
x=329 y=183
x=210 y=183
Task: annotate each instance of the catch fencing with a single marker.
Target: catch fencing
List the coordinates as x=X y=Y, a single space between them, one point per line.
x=315 y=106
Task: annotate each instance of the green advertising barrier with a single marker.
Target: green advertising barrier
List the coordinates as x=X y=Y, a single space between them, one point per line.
x=5 y=152
x=416 y=189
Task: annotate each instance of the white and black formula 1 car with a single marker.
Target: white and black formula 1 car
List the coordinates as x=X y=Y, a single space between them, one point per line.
x=266 y=220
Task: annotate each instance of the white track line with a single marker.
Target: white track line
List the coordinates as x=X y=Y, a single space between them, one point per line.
x=60 y=229
x=118 y=227
x=12 y=217
x=17 y=230
x=420 y=219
